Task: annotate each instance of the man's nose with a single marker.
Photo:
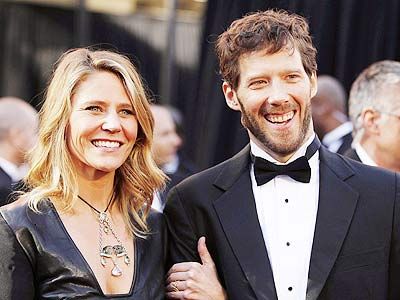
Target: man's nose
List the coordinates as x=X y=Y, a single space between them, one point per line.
x=177 y=140
x=277 y=93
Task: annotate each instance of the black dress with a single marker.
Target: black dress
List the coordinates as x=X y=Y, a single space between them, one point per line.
x=39 y=260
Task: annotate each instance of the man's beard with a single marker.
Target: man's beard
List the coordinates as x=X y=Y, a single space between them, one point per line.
x=285 y=144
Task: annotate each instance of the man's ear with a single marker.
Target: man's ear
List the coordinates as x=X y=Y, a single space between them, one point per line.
x=230 y=96
x=314 y=84
x=370 y=119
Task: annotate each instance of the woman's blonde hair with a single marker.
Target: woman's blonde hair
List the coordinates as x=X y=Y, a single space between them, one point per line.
x=52 y=174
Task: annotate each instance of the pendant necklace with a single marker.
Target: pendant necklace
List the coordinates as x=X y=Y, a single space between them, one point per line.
x=108 y=251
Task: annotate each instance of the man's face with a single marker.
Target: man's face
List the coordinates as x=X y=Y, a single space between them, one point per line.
x=166 y=141
x=388 y=135
x=273 y=95
x=24 y=135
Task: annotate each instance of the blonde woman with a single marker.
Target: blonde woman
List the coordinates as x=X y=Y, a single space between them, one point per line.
x=86 y=230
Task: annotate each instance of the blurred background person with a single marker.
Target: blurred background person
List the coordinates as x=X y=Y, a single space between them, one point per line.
x=18 y=131
x=374 y=109
x=86 y=229
x=166 y=145
x=329 y=115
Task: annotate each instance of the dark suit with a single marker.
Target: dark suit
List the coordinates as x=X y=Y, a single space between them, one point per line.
x=346 y=143
x=356 y=247
x=5 y=187
x=351 y=153
x=185 y=169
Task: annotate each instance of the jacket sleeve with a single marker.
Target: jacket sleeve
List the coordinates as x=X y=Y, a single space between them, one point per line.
x=16 y=274
x=182 y=236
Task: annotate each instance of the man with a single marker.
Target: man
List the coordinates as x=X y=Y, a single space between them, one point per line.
x=325 y=227
x=18 y=126
x=374 y=108
x=166 y=144
x=329 y=115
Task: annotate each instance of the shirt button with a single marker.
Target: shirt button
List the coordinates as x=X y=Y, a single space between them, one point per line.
x=287 y=200
x=290 y=288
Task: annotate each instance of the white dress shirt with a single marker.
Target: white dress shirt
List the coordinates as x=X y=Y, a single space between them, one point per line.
x=16 y=173
x=287 y=211
x=334 y=139
x=363 y=155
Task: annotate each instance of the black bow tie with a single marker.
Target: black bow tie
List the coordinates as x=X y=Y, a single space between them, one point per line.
x=299 y=169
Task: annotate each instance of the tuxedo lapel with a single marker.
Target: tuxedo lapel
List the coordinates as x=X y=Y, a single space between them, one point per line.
x=337 y=202
x=237 y=214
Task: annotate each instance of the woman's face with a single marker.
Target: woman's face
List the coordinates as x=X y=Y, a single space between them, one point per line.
x=102 y=126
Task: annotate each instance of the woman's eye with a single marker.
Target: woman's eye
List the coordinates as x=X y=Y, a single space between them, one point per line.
x=127 y=112
x=93 y=108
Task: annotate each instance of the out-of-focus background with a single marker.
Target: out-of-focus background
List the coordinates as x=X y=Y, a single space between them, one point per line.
x=171 y=42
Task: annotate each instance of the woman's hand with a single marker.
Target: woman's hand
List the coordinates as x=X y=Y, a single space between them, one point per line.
x=195 y=281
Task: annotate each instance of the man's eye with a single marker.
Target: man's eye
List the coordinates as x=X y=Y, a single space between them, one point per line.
x=93 y=108
x=292 y=76
x=258 y=84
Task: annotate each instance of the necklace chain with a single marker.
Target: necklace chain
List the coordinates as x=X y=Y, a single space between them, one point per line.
x=108 y=251
x=96 y=210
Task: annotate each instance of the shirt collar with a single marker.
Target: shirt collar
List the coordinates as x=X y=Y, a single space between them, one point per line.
x=16 y=173
x=257 y=151
x=363 y=155
x=172 y=166
x=337 y=133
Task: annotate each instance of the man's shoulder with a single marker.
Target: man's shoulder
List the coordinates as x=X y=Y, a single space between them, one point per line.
x=357 y=170
x=231 y=166
x=5 y=179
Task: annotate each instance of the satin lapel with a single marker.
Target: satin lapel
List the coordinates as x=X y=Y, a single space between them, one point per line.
x=237 y=213
x=337 y=202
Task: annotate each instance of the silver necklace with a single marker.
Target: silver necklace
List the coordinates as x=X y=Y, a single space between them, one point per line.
x=108 y=251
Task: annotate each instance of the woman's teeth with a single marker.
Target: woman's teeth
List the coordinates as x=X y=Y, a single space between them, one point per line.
x=107 y=144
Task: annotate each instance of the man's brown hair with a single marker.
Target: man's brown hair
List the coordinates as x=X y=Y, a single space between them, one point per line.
x=270 y=30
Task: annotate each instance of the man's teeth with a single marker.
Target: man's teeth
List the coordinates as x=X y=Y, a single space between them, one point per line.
x=280 y=118
x=106 y=144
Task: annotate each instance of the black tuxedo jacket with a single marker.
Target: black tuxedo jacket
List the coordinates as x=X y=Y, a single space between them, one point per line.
x=356 y=247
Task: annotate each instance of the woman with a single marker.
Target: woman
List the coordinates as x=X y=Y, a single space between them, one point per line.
x=86 y=230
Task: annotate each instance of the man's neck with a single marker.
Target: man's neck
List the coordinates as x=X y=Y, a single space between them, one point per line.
x=383 y=160
x=258 y=150
x=8 y=154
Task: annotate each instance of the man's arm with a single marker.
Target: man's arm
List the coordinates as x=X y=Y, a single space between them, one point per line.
x=193 y=274
x=182 y=234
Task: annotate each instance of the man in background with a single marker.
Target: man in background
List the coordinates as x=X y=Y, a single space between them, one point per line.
x=329 y=115
x=166 y=145
x=374 y=109
x=18 y=131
